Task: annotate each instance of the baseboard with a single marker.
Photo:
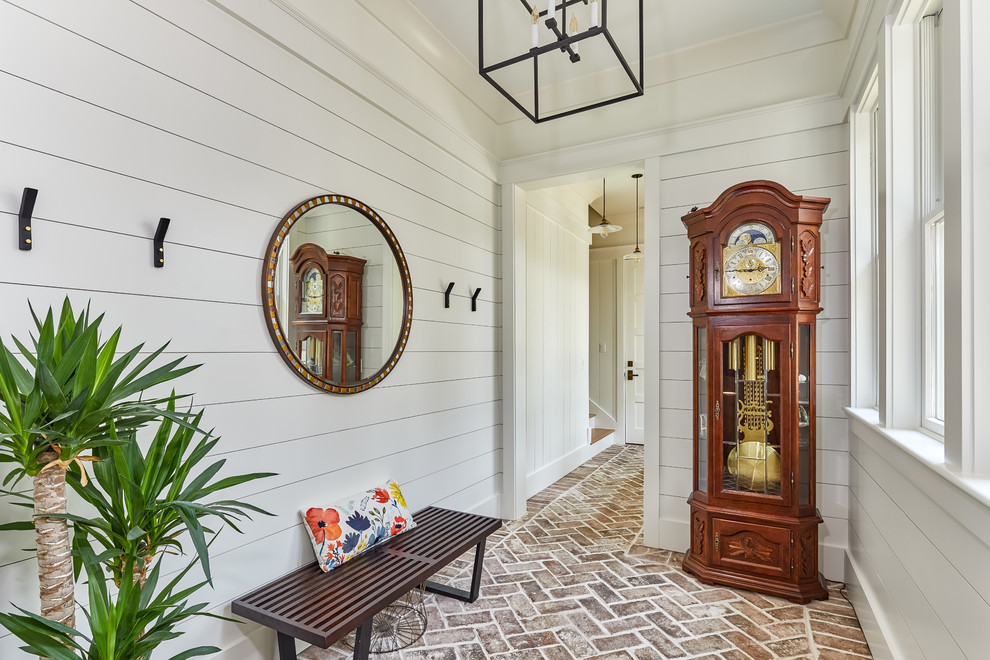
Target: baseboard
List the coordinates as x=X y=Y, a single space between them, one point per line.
x=863 y=595
x=674 y=535
x=550 y=473
x=832 y=562
x=491 y=506
x=258 y=643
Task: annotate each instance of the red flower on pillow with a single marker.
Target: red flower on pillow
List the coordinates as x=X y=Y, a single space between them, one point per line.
x=323 y=522
x=381 y=495
x=398 y=524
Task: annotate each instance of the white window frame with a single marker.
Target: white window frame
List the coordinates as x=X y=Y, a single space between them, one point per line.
x=933 y=418
x=931 y=206
x=899 y=416
x=865 y=199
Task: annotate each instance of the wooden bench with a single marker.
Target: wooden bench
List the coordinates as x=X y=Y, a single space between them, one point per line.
x=320 y=608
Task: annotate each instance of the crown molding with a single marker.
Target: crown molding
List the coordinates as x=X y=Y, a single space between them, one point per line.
x=553 y=167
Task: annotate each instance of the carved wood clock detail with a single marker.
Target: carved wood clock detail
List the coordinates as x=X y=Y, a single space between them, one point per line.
x=699 y=535
x=699 y=272
x=808 y=563
x=337 y=293
x=754 y=291
x=751 y=548
x=809 y=260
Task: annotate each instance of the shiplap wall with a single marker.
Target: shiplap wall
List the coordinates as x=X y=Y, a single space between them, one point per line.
x=808 y=162
x=920 y=552
x=129 y=111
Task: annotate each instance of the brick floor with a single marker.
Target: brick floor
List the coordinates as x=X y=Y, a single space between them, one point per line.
x=572 y=579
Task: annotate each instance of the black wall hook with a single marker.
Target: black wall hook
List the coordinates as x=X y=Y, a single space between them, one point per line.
x=446 y=295
x=24 y=239
x=159 y=255
x=474 y=300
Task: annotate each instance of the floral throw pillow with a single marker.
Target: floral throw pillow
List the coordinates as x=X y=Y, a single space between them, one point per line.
x=341 y=532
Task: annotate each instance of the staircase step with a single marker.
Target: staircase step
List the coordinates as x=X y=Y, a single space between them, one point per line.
x=592 y=415
x=598 y=434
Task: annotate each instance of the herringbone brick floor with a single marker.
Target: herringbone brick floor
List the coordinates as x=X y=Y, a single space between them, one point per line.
x=573 y=580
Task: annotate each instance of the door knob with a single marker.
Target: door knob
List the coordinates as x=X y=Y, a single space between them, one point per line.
x=630 y=375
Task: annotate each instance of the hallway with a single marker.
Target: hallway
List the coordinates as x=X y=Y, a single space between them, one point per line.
x=571 y=580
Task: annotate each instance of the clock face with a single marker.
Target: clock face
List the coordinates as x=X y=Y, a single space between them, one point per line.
x=751 y=270
x=751 y=233
x=312 y=292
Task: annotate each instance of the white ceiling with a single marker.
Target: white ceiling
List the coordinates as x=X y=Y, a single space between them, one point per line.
x=669 y=26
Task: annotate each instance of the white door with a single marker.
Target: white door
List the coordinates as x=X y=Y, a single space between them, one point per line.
x=634 y=343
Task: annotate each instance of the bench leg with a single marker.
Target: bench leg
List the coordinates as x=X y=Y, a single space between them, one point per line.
x=286 y=647
x=460 y=594
x=362 y=640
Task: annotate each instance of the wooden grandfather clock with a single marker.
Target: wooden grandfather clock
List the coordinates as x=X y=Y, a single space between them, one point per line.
x=754 y=293
x=327 y=313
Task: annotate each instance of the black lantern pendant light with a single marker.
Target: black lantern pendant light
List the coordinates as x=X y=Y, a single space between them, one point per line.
x=564 y=35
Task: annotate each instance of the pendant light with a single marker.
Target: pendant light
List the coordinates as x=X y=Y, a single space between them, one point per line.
x=637 y=254
x=604 y=227
x=560 y=22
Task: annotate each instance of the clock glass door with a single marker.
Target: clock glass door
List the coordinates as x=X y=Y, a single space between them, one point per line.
x=311 y=353
x=750 y=415
x=805 y=412
x=702 y=367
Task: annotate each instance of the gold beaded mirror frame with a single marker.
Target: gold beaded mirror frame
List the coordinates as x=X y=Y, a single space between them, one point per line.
x=337 y=294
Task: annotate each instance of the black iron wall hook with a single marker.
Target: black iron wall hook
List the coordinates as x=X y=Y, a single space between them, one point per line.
x=474 y=300
x=446 y=295
x=159 y=255
x=24 y=239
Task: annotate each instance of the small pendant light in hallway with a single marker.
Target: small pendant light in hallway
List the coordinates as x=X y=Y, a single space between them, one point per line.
x=605 y=227
x=637 y=254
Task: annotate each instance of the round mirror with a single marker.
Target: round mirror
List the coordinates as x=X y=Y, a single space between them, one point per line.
x=337 y=294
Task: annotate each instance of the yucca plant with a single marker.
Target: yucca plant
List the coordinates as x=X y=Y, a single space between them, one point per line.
x=70 y=394
x=127 y=625
x=144 y=502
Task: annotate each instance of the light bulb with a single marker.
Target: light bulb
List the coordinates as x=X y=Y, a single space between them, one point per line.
x=536 y=36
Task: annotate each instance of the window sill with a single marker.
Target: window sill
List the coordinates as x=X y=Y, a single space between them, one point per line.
x=925 y=449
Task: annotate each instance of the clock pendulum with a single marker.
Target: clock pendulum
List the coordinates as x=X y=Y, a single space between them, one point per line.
x=753 y=462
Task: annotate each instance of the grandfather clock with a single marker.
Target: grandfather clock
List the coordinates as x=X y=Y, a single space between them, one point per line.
x=327 y=313
x=754 y=294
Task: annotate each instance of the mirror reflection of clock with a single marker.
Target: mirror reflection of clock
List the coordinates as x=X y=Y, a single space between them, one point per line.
x=751 y=233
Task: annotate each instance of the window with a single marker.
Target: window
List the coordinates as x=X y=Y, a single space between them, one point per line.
x=931 y=205
x=865 y=172
x=875 y=242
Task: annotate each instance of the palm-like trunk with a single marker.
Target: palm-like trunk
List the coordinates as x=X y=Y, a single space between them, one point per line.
x=54 y=549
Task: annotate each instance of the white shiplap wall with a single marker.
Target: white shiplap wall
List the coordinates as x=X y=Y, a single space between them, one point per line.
x=129 y=111
x=808 y=162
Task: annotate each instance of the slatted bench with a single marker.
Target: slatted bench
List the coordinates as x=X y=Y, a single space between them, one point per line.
x=320 y=608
